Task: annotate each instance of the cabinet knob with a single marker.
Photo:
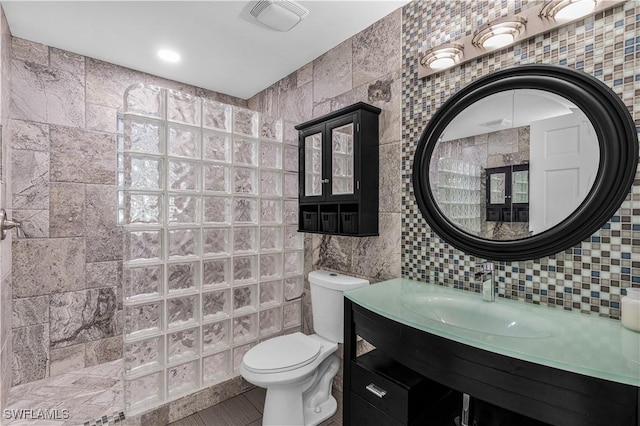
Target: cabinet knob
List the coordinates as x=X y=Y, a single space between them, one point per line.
x=325 y=181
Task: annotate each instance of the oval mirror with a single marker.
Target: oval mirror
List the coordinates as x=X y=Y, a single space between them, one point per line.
x=525 y=162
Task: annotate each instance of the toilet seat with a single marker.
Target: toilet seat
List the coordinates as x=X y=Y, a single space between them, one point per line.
x=283 y=353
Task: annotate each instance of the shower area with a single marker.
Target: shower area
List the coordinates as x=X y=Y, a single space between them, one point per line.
x=212 y=261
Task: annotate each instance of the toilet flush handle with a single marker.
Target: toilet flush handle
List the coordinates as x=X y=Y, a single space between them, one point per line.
x=6 y=224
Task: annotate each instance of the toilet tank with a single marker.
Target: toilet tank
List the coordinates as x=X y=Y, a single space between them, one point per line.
x=327 y=302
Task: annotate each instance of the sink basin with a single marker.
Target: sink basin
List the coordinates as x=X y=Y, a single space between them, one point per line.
x=474 y=314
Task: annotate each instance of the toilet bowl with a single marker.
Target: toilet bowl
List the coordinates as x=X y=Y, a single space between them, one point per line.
x=297 y=369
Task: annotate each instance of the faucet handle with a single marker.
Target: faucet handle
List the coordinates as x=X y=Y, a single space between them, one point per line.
x=6 y=224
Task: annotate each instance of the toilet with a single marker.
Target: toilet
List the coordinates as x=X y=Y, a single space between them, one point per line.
x=297 y=369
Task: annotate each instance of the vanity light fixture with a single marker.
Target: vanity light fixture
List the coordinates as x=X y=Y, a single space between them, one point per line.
x=496 y=34
x=443 y=56
x=499 y=33
x=565 y=10
x=169 y=55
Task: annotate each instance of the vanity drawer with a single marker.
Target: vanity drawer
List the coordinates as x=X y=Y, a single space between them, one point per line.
x=363 y=413
x=395 y=389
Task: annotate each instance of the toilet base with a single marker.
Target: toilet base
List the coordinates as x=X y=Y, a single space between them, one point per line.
x=326 y=410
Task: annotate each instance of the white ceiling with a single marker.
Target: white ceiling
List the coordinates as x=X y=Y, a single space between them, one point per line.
x=221 y=49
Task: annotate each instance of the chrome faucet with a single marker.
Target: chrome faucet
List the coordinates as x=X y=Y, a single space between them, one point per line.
x=488 y=282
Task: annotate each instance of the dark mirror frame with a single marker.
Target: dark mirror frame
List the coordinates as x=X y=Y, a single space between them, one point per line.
x=618 y=142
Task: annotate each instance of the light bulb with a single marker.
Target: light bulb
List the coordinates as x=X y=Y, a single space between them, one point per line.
x=498 y=40
x=575 y=10
x=168 y=55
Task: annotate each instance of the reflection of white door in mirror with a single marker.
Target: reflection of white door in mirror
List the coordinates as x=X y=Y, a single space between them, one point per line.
x=563 y=166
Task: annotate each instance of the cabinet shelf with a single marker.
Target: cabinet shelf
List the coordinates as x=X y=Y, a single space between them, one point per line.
x=338 y=188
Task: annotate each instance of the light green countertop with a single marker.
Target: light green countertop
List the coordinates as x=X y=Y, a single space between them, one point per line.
x=584 y=344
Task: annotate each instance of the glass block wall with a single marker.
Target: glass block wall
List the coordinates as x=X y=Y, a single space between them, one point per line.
x=213 y=261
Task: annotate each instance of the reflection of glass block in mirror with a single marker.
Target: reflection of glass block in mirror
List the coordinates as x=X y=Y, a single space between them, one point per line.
x=497 y=191
x=341 y=137
x=342 y=185
x=312 y=184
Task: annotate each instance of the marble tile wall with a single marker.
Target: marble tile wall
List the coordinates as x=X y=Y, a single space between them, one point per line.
x=5 y=246
x=367 y=68
x=67 y=301
x=588 y=278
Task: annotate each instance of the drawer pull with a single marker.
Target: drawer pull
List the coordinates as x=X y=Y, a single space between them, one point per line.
x=379 y=392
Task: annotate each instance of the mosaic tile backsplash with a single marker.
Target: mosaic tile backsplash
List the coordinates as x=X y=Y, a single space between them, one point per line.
x=212 y=258
x=587 y=278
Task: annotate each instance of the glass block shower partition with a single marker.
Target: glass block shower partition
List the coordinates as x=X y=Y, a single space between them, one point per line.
x=213 y=261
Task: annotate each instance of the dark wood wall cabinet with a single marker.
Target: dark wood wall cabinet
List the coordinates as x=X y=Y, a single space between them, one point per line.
x=428 y=380
x=338 y=158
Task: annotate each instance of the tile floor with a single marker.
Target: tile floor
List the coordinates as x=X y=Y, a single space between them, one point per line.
x=242 y=410
x=70 y=398
x=93 y=392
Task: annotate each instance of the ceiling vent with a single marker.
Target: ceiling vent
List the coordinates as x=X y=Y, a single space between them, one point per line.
x=280 y=15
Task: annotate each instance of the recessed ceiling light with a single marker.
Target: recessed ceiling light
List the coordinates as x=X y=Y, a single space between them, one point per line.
x=168 y=55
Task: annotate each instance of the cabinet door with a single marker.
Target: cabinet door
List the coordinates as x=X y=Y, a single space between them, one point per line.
x=342 y=154
x=312 y=169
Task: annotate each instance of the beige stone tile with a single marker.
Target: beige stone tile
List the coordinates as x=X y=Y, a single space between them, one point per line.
x=103 y=274
x=30 y=180
x=305 y=74
x=390 y=178
x=60 y=260
x=29 y=51
x=66 y=360
x=333 y=252
x=103 y=350
x=67 y=210
x=66 y=61
x=29 y=135
x=101 y=118
x=297 y=104
x=44 y=95
x=377 y=49
x=30 y=311
x=379 y=257
x=34 y=223
x=95 y=151
x=332 y=73
x=30 y=353
x=106 y=83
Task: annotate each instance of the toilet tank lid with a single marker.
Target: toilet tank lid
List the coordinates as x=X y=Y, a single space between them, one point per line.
x=335 y=281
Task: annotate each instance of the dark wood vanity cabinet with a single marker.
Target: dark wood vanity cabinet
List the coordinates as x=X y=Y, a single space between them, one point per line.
x=338 y=177
x=533 y=394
